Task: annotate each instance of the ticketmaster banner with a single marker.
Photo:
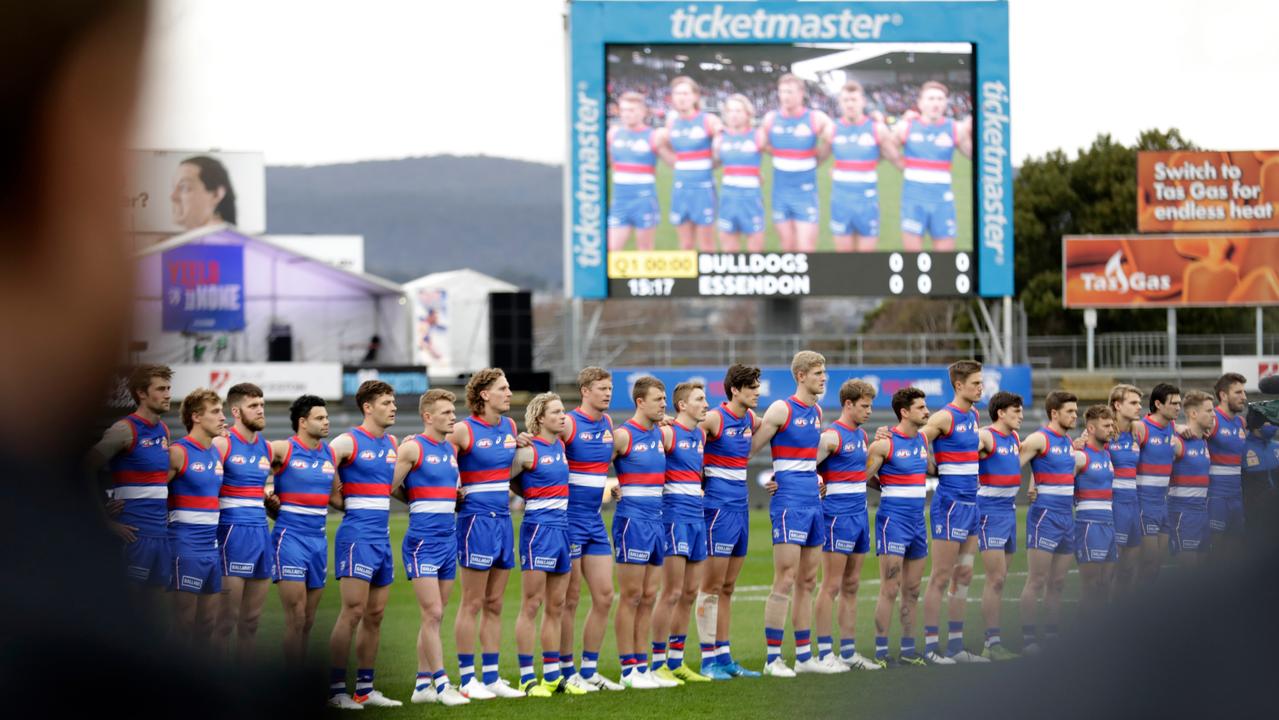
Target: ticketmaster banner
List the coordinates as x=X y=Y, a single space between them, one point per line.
x=777 y=383
x=892 y=48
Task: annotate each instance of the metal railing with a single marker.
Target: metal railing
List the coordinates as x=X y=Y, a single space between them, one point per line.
x=1140 y=350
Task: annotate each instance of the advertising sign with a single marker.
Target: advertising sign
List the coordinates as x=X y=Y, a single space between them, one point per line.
x=175 y=191
x=1183 y=191
x=203 y=288
x=279 y=381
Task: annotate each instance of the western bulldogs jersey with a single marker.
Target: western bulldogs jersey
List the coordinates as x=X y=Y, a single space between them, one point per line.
x=634 y=162
x=904 y=474
x=193 y=500
x=140 y=476
x=725 y=460
x=956 y=454
x=691 y=139
x=366 y=484
x=999 y=473
x=1093 y=487
x=793 y=140
x=245 y=469
x=739 y=157
x=1225 y=448
x=589 y=448
x=486 y=467
x=431 y=487
x=682 y=496
x=844 y=472
x=546 y=485
x=1155 y=464
x=856 y=152
x=1124 y=454
x=1054 y=472
x=303 y=485
x=641 y=473
x=794 y=450
x=927 y=153
x=1188 y=488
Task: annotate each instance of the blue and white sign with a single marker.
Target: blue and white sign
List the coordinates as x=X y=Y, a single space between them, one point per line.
x=203 y=288
x=981 y=24
x=777 y=383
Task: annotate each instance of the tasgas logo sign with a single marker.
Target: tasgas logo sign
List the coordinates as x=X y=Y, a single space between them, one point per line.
x=1115 y=280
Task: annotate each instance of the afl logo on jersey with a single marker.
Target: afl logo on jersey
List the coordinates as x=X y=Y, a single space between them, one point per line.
x=433 y=459
x=298 y=464
x=684 y=445
x=639 y=447
x=1100 y=466
x=197 y=467
x=803 y=422
x=851 y=446
x=238 y=460
x=546 y=460
x=367 y=455
x=1156 y=440
x=586 y=436
x=484 y=443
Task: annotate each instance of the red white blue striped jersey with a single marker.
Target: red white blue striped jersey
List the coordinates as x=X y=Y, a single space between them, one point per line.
x=691 y=139
x=956 y=454
x=1188 y=487
x=739 y=158
x=486 y=467
x=1124 y=455
x=303 y=485
x=999 y=473
x=794 y=449
x=1154 y=468
x=641 y=472
x=633 y=156
x=927 y=152
x=546 y=485
x=793 y=141
x=1093 y=490
x=1226 y=448
x=366 y=485
x=856 y=152
x=140 y=477
x=193 y=495
x=844 y=472
x=903 y=477
x=725 y=459
x=682 y=496
x=431 y=487
x=245 y=469
x=589 y=449
x=1054 y=472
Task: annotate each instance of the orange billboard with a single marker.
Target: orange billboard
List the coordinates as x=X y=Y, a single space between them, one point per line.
x=1102 y=271
x=1198 y=191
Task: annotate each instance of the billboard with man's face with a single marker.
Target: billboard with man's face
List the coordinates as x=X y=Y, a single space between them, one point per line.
x=174 y=191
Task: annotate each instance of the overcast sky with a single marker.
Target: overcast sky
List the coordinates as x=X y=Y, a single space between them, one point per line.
x=319 y=81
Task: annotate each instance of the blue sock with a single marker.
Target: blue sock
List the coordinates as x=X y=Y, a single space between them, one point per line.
x=363 y=682
x=659 y=655
x=675 y=652
x=641 y=662
x=550 y=667
x=628 y=664
x=526 y=668
x=337 y=681
x=589 y=661
x=955 y=639
x=465 y=666
x=1028 y=635
x=724 y=653
x=908 y=646
x=490 y=661
x=992 y=637
x=566 y=664
x=881 y=646
x=847 y=648
x=423 y=681
x=803 y=646
x=441 y=679
x=709 y=656
x=773 y=640
x=824 y=645
x=930 y=638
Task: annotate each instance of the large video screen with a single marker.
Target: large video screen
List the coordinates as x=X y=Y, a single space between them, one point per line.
x=788 y=149
x=858 y=150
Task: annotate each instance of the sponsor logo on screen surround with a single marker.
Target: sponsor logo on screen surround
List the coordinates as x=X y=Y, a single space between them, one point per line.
x=715 y=23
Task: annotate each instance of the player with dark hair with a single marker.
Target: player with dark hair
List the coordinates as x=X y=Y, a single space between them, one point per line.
x=856 y=141
x=729 y=429
x=1050 y=523
x=899 y=465
x=362 y=546
x=306 y=483
x=999 y=478
x=1226 y=445
x=1095 y=549
x=1154 y=471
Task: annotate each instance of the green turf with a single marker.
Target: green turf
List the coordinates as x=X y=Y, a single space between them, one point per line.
x=890 y=184
x=396 y=665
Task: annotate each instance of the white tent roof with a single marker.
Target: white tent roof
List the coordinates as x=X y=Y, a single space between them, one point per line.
x=465 y=276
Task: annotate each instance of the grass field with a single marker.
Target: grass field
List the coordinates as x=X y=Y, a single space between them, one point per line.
x=890 y=184
x=807 y=694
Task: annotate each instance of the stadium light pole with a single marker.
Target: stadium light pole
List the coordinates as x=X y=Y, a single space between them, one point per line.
x=1172 y=338
x=1090 y=325
x=1260 y=323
